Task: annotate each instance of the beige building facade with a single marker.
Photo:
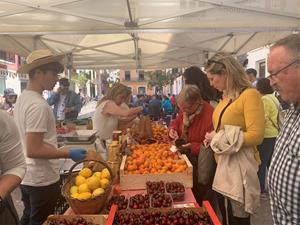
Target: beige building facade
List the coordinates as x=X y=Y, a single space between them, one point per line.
x=136 y=81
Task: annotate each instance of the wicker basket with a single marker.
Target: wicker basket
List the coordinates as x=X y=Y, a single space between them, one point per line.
x=90 y=206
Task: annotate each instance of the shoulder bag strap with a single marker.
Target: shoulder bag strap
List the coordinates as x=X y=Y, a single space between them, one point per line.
x=221 y=114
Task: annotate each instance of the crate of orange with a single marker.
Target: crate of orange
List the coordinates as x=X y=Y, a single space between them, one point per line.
x=154 y=162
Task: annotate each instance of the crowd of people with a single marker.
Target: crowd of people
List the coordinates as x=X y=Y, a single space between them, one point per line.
x=223 y=116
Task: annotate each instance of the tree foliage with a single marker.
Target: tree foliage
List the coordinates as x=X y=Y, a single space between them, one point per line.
x=80 y=79
x=157 y=79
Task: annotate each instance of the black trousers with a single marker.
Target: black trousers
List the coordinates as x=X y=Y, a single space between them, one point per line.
x=266 y=149
x=8 y=214
x=231 y=219
x=39 y=203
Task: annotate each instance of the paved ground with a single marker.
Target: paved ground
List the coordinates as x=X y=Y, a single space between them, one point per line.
x=262 y=218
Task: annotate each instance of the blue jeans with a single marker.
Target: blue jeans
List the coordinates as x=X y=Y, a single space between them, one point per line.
x=265 y=149
x=39 y=203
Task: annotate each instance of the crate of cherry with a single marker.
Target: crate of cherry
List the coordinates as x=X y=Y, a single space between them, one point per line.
x=139 y=201
x=164 y=216
x=176 y=190
x=120 y=200
x=155 y=187
x=161 y=200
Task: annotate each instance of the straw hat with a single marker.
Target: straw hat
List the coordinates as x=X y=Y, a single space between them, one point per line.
x=38 y=58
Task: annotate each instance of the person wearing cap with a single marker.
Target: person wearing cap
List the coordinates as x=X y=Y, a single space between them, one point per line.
x=67 y=103
x=10 y=98
x=37 y=127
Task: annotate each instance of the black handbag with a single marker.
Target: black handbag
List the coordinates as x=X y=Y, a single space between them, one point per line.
x=206 y=161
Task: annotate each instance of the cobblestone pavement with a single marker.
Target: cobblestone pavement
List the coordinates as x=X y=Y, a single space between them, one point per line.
x=263 y=217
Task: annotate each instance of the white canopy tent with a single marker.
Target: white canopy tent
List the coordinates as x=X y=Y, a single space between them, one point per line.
x=144 y=34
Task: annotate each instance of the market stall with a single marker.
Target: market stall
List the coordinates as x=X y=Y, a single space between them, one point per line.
x=143 y=178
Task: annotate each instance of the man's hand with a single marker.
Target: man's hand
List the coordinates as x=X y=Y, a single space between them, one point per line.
x=77 y=154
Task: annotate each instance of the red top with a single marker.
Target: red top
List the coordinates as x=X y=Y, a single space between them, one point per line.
x=173 y=100
x=200 y=125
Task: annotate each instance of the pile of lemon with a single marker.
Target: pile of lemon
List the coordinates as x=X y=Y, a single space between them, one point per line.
x=90 y=185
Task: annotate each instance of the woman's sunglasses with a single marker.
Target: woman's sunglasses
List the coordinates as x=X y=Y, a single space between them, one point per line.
x=211 y=61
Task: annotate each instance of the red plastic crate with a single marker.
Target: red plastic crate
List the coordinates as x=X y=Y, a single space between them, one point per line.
x=206 y=207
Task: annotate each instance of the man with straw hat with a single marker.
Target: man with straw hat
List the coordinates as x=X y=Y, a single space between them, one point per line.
x=36 y=124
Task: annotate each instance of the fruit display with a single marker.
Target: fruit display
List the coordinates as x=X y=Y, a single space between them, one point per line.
x=139 y=201
x=119 y=200
x=74 y=221
x=155 y=159
x=160 y=133
x=176 y=189
x=155 y=187
x=174 y=217
x=160 y=200
x=90 y=185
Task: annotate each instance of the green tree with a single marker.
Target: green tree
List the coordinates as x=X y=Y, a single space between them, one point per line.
x=80 y=79
x=157 y=79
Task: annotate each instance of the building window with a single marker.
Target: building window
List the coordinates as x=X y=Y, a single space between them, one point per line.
x=262 y=69
x=141 y=75
x=141 y=90
x=11 y=57
x=3 y=55
x=6 y=56
x=127 y=76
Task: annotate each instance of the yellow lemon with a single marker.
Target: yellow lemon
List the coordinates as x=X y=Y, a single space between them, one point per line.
x=73 y=190
x=104 y=183
x=93 y=182
x=83 y=188
x=75 y=195
x=85 y=172
x=79 y=180
x=97 y=174
x=84 y=196
x=97 y=192
x=105 y=173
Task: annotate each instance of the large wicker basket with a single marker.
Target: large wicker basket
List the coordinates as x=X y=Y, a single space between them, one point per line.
x=90 y=206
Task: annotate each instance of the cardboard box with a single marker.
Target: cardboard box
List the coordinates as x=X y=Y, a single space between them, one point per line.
x=96 y=219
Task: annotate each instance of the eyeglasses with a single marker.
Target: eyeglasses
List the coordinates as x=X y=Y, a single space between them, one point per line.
x=272 y=75
x=211 y=61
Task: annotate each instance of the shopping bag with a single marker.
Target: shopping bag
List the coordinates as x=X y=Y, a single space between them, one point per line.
x=206 y=165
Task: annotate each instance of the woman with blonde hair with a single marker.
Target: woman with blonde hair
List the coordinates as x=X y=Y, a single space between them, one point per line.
x=241 y=110
x=108 y=112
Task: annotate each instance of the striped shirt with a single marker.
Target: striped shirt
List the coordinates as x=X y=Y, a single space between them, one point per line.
x=284 y=172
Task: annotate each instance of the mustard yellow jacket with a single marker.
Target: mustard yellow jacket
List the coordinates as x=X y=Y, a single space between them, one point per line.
x=247 y=112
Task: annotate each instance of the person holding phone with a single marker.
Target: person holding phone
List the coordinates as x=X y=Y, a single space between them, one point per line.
x=189 y=128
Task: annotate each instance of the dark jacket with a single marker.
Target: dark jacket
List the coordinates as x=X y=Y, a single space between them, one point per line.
x=72 y=100
x=155 y=107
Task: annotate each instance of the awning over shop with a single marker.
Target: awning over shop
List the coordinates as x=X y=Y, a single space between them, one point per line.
x=144 y=33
